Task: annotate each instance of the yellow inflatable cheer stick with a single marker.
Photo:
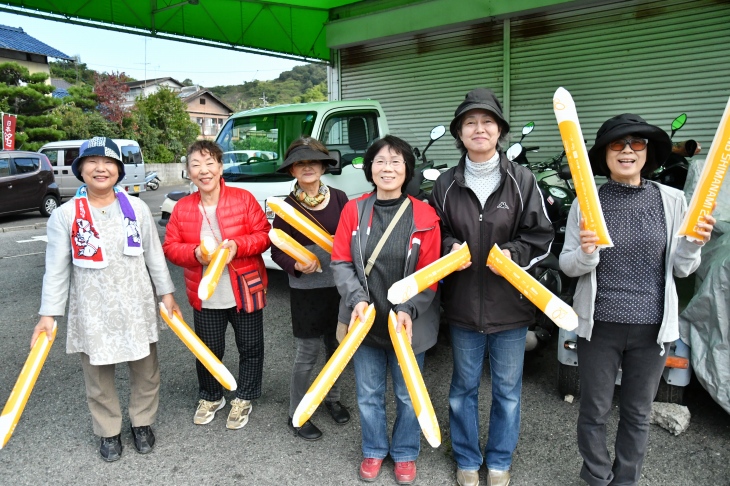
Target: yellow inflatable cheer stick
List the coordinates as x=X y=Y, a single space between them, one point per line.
x=580 y=166
x=558 y=311
x=293 y=248
x=414 y=382
x=199 y=349
x=333 y=368
x=208 y=246
x=301 y=223
x=708 y=185
x=419 y=281
x=24 y=386
x=213 y=273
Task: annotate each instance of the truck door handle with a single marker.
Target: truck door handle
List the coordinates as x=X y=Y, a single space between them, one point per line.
x=55 y=171
x=64 y=172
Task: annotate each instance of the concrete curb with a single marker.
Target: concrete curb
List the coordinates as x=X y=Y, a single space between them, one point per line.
x=23 y=228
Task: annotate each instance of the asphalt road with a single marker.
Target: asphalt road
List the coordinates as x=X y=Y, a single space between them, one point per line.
x=54 y=442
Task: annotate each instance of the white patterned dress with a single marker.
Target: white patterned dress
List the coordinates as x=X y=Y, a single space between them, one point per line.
x=112 y=313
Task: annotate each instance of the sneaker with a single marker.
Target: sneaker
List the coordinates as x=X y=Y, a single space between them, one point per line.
x=238 y=416
x=111 y=448
x=206 y=410
x=144 y=439
x=467 y=478
x=498 y=478
x=405 y=472
x=370 y=468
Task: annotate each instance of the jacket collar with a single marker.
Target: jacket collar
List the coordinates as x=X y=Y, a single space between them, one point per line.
x=505 y=167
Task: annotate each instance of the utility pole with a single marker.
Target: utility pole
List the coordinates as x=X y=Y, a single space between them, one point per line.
x=263 y=98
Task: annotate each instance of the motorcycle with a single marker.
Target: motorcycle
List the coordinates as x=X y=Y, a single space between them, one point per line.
x=426 y=173
x=673 y=172
x=151 y=180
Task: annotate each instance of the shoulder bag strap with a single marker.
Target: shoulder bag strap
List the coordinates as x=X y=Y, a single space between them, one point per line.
x=386 y=234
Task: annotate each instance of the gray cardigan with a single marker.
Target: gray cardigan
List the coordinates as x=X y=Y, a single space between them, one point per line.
x=682 y=258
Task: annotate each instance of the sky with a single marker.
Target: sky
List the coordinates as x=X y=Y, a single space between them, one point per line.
x=105 y=51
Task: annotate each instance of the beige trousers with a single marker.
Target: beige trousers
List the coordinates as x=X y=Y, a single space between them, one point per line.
x=101 y=393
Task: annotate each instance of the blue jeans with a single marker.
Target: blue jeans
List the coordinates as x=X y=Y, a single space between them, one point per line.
x=371 y=367
x=506 y=357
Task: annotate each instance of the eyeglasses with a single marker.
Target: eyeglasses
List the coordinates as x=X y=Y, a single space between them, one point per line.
x=636 y=144
x=396 y=164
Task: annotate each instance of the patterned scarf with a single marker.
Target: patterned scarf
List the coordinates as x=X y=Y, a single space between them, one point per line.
x=86 y=242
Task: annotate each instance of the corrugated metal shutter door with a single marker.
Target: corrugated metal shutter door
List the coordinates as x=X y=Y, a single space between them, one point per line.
x=656 y=59
x=421 y=79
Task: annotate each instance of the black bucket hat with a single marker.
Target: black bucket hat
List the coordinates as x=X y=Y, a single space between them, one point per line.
x=305 y=152
x=100 y=146
x=479 y=98
x=629 y=124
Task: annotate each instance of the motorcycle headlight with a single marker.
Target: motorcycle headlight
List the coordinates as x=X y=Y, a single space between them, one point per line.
x=557 y=192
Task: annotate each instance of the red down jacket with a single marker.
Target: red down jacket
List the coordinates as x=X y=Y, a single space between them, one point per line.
x=240 y=219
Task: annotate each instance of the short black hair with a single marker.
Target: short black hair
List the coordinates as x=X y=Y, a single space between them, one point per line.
x=397 y=145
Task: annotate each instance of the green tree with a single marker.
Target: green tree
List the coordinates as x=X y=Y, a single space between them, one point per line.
x=72 y=71
x=162 y=126
x=36 y=125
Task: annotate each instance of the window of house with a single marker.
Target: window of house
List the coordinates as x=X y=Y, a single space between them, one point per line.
x=202 y=101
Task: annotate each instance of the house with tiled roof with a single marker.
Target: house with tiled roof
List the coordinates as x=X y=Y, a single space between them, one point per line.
x=206 y=109
x=17 y=46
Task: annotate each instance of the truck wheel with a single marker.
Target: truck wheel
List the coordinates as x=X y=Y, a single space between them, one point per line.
x=669 y=393
x=568 y=380
x=48 y=205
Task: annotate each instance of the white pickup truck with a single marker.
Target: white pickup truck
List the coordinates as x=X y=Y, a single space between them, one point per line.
x=254 y=143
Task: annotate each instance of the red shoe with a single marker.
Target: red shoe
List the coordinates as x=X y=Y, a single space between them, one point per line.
x=405 y=472
x=370 y=468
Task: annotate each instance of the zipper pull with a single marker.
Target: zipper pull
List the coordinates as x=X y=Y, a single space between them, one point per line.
x=480 y=218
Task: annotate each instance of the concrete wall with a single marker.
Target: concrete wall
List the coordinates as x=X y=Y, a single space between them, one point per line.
x=169 y=174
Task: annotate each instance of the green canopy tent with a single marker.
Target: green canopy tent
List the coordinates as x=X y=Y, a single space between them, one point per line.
x=291 y=29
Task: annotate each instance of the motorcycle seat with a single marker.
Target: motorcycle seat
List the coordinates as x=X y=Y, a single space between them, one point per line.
x=551 y=262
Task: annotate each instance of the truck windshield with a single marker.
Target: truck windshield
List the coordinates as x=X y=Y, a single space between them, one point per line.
x=254 y=146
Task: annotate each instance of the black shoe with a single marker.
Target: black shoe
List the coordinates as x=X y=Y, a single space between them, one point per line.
x=308 y=431
x=338 y=412
x=111 y=448
x=144 y=439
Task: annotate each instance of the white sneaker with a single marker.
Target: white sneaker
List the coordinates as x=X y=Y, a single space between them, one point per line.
x=238 y=416
x=206 y=410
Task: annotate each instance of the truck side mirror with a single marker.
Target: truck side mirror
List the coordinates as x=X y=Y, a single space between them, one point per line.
x=358 y=162
x=184 y=175
x=337 y=168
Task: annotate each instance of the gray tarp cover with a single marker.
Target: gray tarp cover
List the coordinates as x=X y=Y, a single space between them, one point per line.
x=705 y=324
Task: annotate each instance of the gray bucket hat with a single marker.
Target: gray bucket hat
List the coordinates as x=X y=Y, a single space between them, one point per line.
x=479 y=98
x=101 y=146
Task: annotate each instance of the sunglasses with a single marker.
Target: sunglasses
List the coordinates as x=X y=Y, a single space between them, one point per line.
x=636 y=144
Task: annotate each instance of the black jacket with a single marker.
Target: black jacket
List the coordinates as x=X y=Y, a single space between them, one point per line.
x=514 y=217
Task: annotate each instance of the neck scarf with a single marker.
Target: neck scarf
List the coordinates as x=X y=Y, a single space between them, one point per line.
x=86 y=241
x=311 y=201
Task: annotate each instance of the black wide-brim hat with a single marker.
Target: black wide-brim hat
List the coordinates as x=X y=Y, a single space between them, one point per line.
x=482 y=99
x=305 y=152
x=628 y=124
x=99 y=146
